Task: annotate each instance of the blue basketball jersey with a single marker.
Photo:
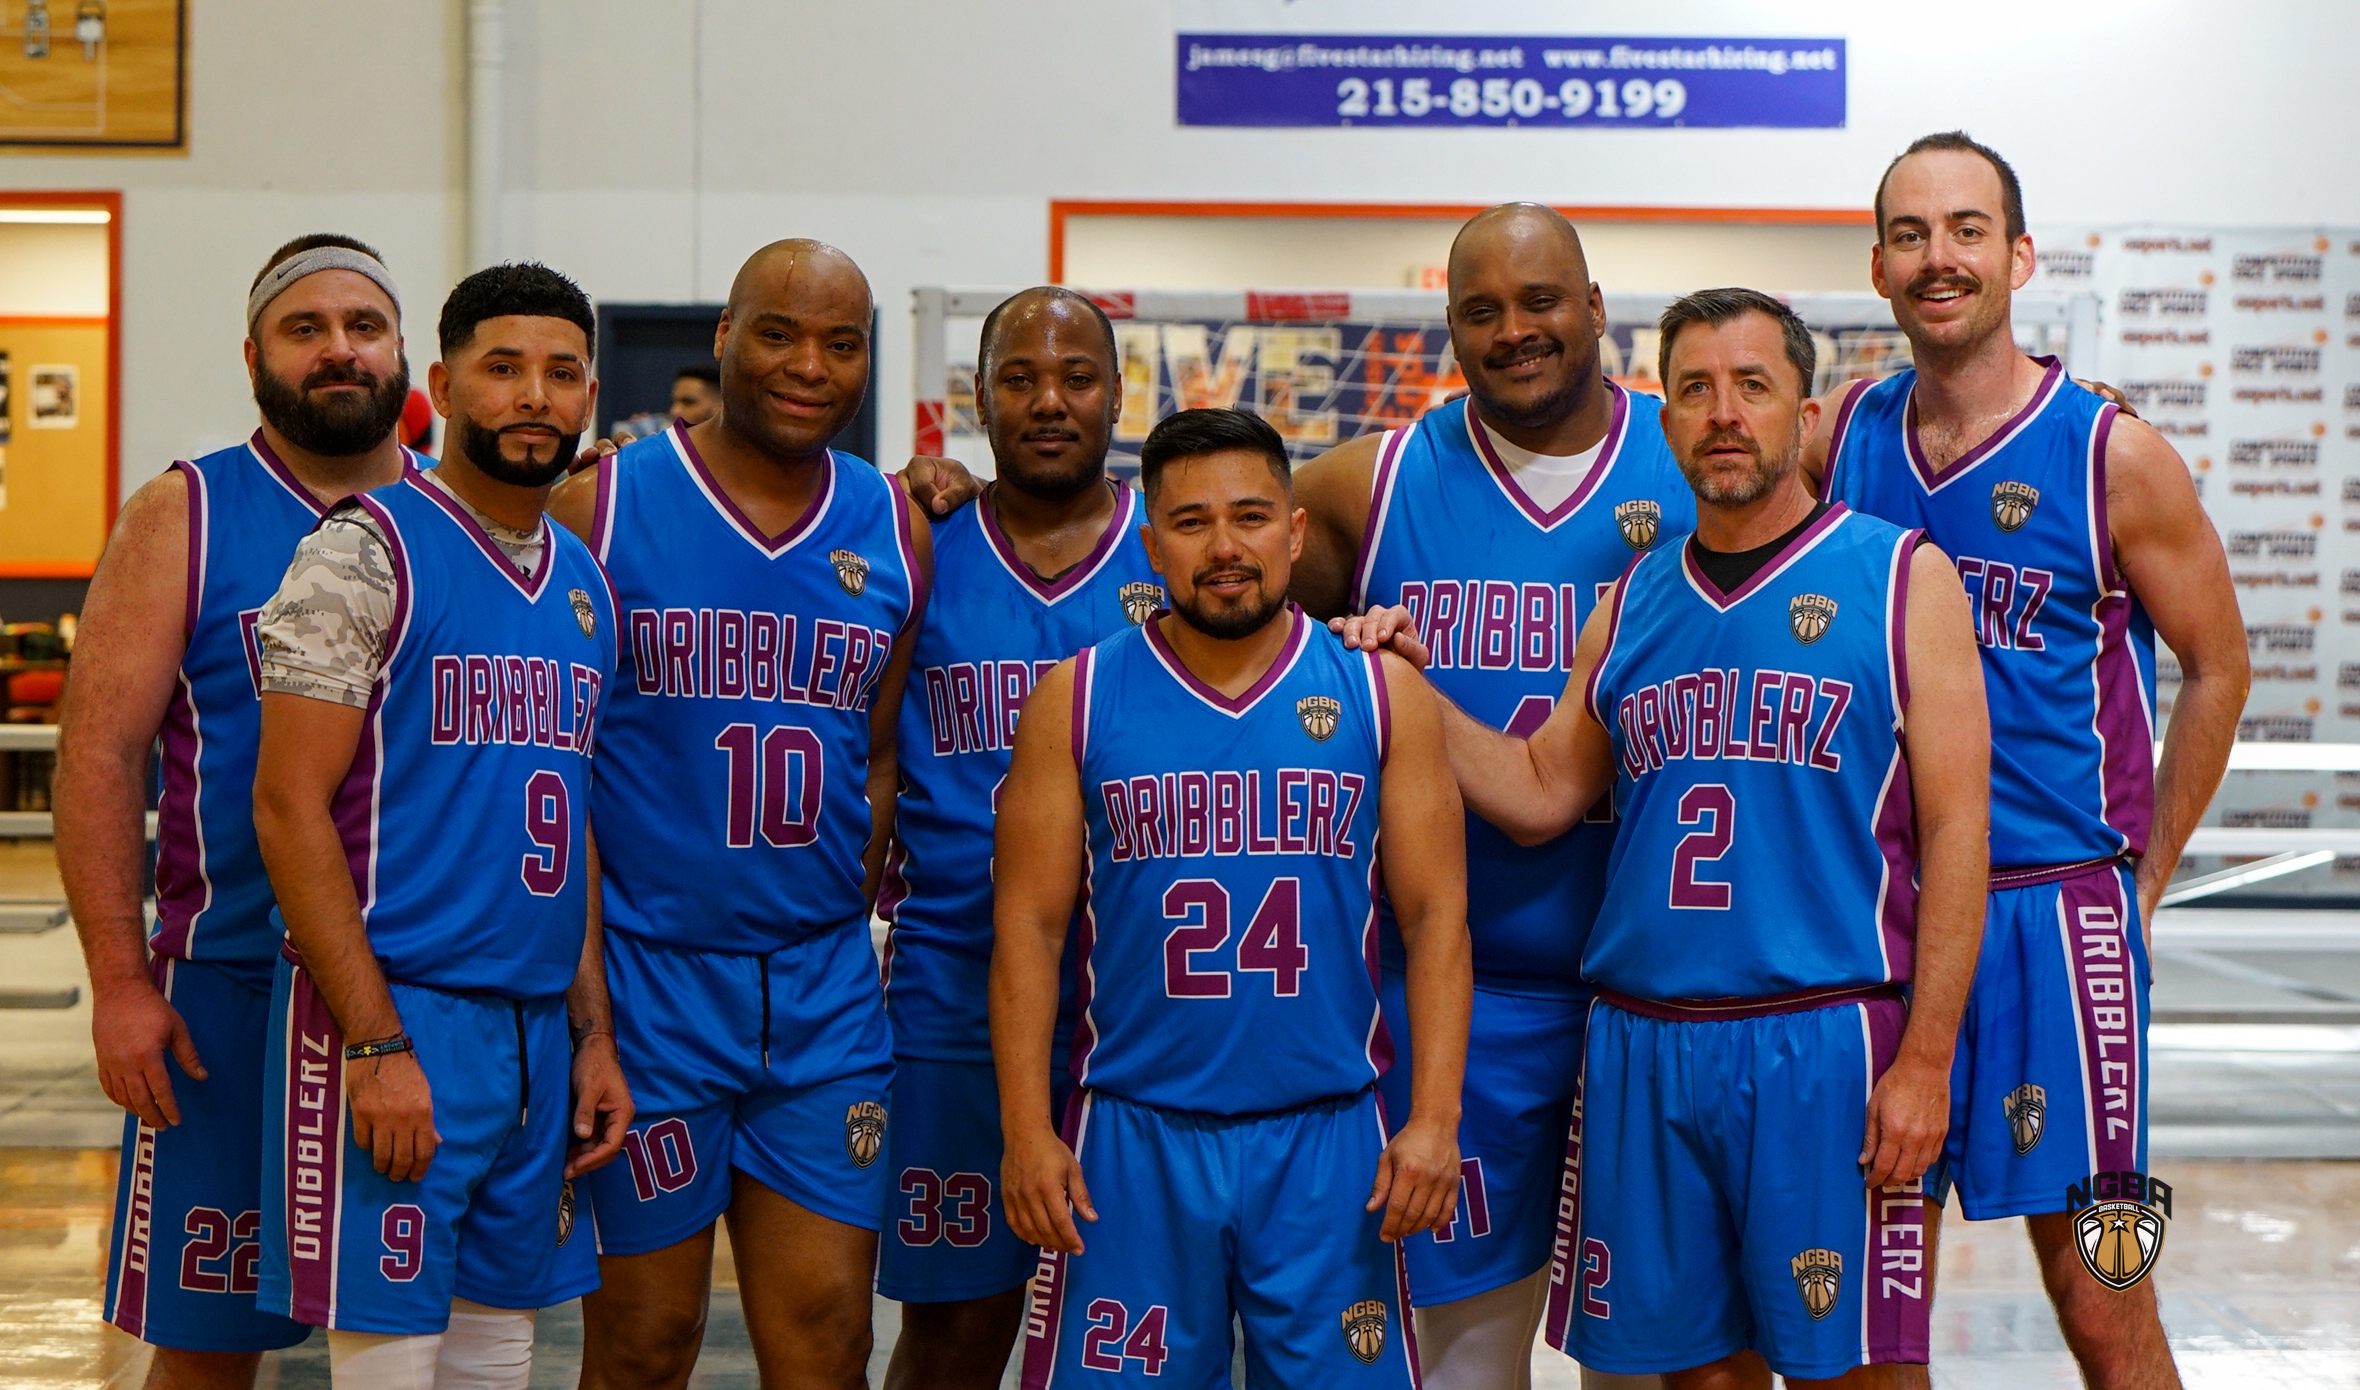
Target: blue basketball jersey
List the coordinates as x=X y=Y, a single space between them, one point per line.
x=732 y=801
x=463 y=812
x=992 y=628
x=1768 y=842
x=1500 y=589
x=2068 y=654
x=1229 y=956
x=246 y=512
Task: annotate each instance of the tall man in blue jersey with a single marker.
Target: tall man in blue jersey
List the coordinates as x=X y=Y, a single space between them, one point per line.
x=1786 y=707
x=2079 y=540
x=180 y=1017
x=768 y=586
x=1047 y=562
x=1219 y=778
x=432 y=668
x=1498 y=521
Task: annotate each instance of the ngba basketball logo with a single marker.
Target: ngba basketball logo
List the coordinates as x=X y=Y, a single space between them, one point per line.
x=2028 y=1109
x=1819 y=1278
x=864 y=1132
x=2118 y=1224
x=1364 y=1329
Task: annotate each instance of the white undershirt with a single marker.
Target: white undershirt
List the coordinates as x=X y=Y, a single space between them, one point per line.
x=1548 y=479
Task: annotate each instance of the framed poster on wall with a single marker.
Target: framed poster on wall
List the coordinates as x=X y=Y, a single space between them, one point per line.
x=81 y=74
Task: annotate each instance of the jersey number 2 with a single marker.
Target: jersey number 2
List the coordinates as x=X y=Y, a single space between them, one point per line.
x=1708 y=804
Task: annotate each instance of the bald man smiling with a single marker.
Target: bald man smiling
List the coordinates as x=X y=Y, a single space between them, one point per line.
x=741 y=798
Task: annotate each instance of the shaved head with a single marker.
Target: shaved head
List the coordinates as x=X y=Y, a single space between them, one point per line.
x=1516 y=229
x=1037 y=302
x=782 y=262
x=1525 y=322
x=794 y=348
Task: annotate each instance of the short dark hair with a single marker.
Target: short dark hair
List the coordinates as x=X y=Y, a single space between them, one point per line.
x=1056 y=294
x=311 y=242
x=705 y=372
x=1195 y=433
x=1723 y=305
x=2011 y=193
x=526 y=288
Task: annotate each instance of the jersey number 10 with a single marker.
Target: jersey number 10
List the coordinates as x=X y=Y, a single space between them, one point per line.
x=764 y=778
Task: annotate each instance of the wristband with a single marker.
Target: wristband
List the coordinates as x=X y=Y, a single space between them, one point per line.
x=382 y=1047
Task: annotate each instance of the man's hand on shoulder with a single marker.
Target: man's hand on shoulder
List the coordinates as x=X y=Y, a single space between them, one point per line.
x=939 y=486
x=1383 y=629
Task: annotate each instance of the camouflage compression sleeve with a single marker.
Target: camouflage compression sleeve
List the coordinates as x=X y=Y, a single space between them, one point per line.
x=323 y=633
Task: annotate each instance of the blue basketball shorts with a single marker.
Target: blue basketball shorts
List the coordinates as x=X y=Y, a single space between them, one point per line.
x=1202 y=1218
x=492 y=1221
x=1713 y=1198
x=1524 y=1057
x=946 y=1236
x=183 y=1264
x=2050 y=1081
x=777 y=1066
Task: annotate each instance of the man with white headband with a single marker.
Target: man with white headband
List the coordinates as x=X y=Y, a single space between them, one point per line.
x=180 y=1011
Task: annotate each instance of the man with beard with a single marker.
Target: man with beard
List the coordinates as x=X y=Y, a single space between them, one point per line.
x=1048 y=561
x=744 y=798
x=432 y=670
x=1219 y=777
x=1498 y=521
x=180 y=1015
x=2080 y=540
x=1787 y=709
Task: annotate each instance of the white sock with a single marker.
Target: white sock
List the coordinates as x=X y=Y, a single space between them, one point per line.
x=382 y=1361
x=486 y=1348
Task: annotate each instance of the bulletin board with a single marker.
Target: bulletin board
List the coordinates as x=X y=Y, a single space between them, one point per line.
x=82 y=74
x=54 y=479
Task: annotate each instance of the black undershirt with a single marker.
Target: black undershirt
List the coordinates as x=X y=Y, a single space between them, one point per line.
x=1729 y=569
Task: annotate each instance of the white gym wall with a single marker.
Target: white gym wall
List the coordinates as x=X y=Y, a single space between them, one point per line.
x=647 y=145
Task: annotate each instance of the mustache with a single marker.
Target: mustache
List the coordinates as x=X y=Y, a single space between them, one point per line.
x=1056 y=432
x=1720 y=438
x=1532 y=352
x=339 y=374
x=1926 y=280
x=1215 y=574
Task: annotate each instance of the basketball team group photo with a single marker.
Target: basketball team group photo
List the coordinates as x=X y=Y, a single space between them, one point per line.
x=1657 y=799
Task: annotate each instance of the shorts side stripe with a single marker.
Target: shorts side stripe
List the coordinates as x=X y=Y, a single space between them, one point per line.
x=1401 y=1298
x=1044 y=1314
x=314 y=1104
x=139 y=1245
x=1896 y=1312
x=2094 y=920
x=1557 y=1324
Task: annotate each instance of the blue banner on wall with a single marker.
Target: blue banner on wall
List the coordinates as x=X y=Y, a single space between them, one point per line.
x=1488 y=80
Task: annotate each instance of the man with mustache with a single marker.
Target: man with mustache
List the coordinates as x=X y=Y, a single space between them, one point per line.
x=744 y=798
x=180 y=1014
x=1219 y=777
x=1498 y=521
x=2079 y=539
x=432 y=669
x=1788 y=712
x=1048 y=561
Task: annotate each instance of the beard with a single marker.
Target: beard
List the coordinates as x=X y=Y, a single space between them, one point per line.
x=1228 y=624
x=1723 y=490
x=339 y=427
x=481 y=444
x=1541 y=411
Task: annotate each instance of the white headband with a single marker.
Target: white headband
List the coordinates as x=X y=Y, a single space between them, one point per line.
x=311 y=262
